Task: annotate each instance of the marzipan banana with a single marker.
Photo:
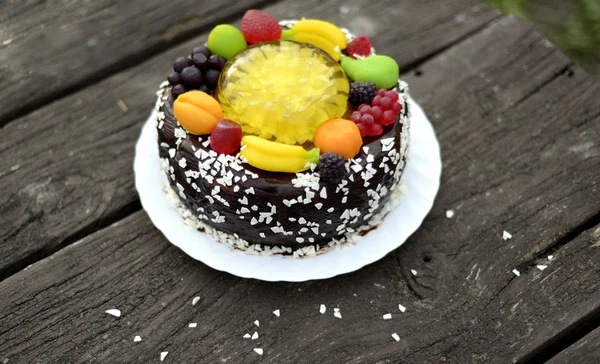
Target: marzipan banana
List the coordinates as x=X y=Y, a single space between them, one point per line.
x=277 y=157
x=321 y=34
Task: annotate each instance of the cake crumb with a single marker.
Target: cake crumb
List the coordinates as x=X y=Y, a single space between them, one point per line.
x=506 y=235
x=516 y=272
x=122 y=105
x=396 y=337
x=450 y=214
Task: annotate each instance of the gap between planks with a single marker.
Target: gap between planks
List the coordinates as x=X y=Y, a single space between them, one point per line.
x=563 y=339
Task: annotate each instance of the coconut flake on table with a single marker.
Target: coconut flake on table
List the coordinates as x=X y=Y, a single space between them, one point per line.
x=541 y=267
x=401 y=308
x=257 y=323
x=195 y=300
x=516 y=272
x=114 y=312
x=336 y=313
x=277 y=313
x=396 y=337
x=387 y=316
x=137 y=339
x=258 y=351
x=163 y=355
x=506 y=235
x=414 y=272
x=255 y=335
x=322 y=309
x=193 y=325
x=247 y=336
x=450 y=214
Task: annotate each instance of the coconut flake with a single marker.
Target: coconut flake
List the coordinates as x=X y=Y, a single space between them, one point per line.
x=247 y=336
x=114 y=312
x=257 y=323
x=541 y=267
x=193 y=325
x=255 y=335
x=414 y=272
x=506 y=235
x=450 y=214
x=163 y=355
x=195 y=300
x=322 y=309
x=277 y=313
x=137 y=339
x=387 y=316
x=516 y=272
x=396 y=337
x=401 y=308
x=258 y=351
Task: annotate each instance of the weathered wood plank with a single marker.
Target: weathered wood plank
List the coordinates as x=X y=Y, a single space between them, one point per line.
x=585 y=351
x=77 y=174
x=515 y=156
x=53 y=47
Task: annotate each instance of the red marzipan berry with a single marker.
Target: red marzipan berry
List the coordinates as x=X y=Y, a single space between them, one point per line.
x=363 y=130
x=226 y=137
x=360 y=46
x=258 y=26
x=392 y=95
x=367 y=119
x=385 y=103
x=388 y=118
x=375 y=129
x=364 y=109
x=377 y=113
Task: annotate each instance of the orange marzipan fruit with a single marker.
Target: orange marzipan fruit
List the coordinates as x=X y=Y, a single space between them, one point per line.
x=339 y=136
x=197 y=112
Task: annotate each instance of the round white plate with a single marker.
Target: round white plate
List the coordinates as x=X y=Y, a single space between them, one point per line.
x=421 y=179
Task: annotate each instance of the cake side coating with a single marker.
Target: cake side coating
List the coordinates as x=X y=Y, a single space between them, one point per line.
x=263 y=208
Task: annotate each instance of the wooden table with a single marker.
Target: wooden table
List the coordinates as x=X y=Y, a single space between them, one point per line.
x=519 y=126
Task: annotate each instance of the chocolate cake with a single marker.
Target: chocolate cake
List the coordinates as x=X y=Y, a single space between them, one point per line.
x=232 y=197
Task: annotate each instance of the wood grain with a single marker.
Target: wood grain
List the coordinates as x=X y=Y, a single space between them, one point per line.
x=519 y=141
x=66 y=168
x=585 y=351
x=54 y=47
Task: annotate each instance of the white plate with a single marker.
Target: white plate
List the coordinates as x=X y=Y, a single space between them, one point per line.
x=421 y=179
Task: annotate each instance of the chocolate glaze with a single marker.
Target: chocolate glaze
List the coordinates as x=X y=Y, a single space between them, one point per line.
x=344 y=208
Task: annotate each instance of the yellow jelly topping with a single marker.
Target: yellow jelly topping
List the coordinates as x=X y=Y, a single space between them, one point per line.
x=282 y=91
